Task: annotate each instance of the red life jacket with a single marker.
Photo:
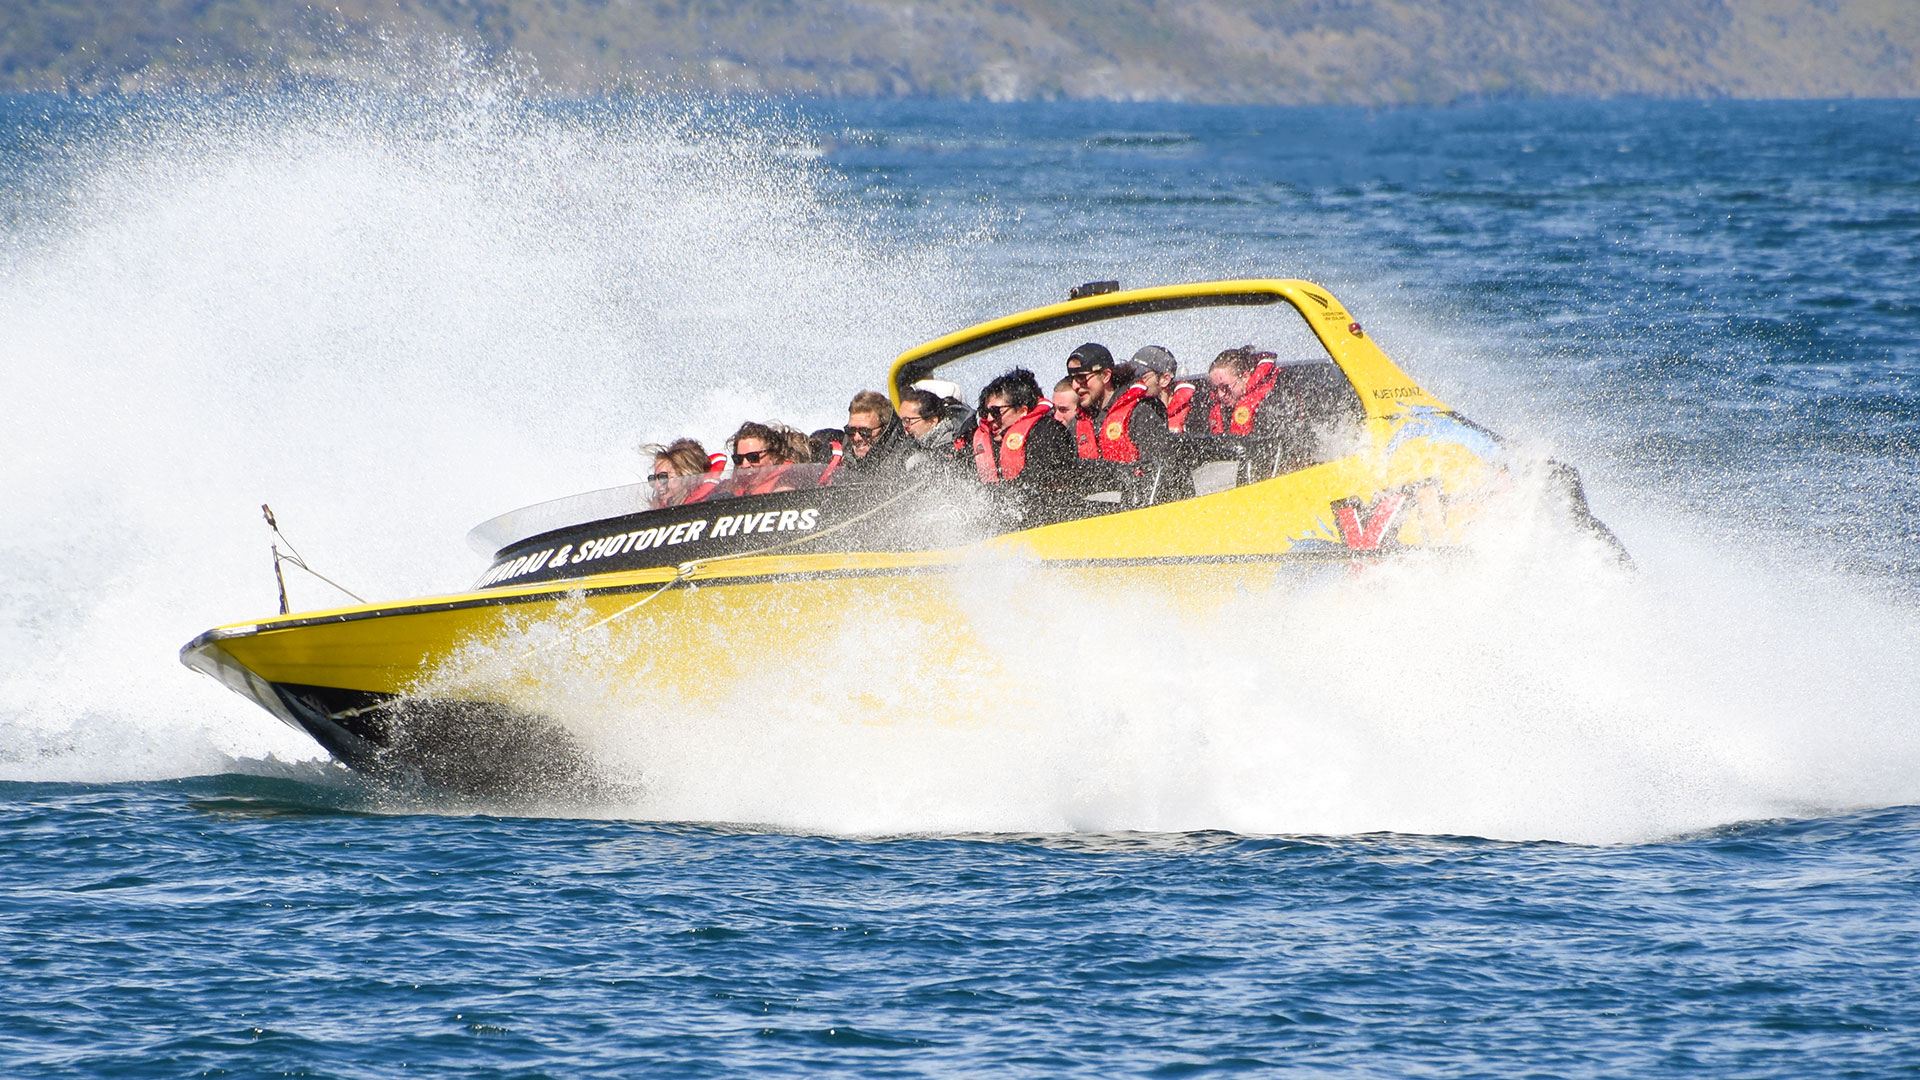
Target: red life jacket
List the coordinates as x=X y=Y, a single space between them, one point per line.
x=1084 y=440
x=1178 y=406
x=716 y=464
x=1111 y=441
x=1241 y=421
x=765 y=481
x=1013 y=447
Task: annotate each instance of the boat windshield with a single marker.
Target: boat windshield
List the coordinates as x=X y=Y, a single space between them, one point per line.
x=514 y=526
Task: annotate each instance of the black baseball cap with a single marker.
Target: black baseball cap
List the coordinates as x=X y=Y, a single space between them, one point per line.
x=1088 y=357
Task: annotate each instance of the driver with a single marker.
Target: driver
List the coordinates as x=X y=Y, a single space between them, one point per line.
x=874 y=439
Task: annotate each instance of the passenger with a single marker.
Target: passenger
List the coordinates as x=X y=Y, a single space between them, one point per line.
x=936 y=442
x=874 y=440
x=681 y=457
x=675 y=467
x=1239 y=381
x=764 y=456
x=1160 y=370
x=1066 y=409
x=828 y=445
x=1114 y=424
x=1180 y=398
x=799 y=444
x=957 y=411
x=1014 y=438
x=820 y=444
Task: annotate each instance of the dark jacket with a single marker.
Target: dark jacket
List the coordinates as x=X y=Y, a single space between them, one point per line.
x=886 y=460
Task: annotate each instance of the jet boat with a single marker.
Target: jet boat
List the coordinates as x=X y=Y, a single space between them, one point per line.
x=628 y=583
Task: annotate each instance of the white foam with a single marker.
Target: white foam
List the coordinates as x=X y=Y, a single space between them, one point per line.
x=1529 y=689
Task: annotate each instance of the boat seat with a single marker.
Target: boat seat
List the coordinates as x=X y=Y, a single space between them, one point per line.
x=1319 y=414
x=1215 y=477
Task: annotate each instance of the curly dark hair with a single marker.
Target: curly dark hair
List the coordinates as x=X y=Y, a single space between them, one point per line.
x=785 y=444
x=1018 y=386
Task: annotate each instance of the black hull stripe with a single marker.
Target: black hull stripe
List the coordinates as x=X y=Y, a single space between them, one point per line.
x=1328 y=555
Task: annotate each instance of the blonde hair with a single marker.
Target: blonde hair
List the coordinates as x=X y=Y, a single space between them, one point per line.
x=685 y=456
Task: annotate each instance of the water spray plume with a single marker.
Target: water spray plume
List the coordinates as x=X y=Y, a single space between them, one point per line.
x=398 y=315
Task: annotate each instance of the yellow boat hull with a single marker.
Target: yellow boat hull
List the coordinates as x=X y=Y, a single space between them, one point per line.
x=357 y=677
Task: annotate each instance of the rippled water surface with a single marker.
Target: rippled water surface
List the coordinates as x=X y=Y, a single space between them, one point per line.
x=270 y=927
x=1513 y=814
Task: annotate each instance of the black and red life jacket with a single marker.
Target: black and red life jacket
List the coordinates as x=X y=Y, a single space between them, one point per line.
x=833 y=464
x=1111 y=442
x=1240 y=421
x=1085 y=443
x=1013 y=446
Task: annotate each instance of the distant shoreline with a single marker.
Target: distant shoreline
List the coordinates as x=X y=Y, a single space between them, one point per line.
x=1246 y=52
x=199 y=96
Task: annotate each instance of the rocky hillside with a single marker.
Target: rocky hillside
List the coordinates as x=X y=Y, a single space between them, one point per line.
x=1282 y=51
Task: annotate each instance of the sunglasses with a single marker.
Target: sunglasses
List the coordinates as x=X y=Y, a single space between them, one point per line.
x=661 y=476
x=751 y=457
x=905 y=419
x=995 y=411
x=862 y=432
x=1080 y=375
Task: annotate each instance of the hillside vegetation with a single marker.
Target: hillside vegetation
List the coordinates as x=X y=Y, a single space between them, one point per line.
x=1280 y=51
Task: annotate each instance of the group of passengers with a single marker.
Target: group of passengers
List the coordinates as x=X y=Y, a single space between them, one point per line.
x=1137 y=413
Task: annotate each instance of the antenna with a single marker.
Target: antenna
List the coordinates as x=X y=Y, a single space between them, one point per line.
x=292 y=555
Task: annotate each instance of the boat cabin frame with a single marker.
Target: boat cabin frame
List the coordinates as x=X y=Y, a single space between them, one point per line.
x=1385 y=391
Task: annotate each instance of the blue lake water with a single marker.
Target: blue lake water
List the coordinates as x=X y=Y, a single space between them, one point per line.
x=1511 y=818
x=233 y=926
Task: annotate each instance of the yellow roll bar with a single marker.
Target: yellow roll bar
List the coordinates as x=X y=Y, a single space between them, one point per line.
x=1384 y=389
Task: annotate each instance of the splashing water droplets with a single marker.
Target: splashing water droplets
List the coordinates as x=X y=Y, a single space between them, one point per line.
x=389 y=318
